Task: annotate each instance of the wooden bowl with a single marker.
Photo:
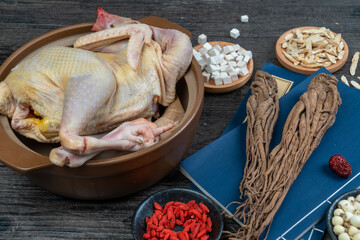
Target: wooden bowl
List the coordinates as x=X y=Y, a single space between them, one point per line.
x=305 y=70
x=210 y=86
x=113 y=173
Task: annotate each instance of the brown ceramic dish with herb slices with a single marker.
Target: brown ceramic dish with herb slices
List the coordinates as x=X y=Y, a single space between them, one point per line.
x=113 y=173
x=210 y=86
x=301 y=69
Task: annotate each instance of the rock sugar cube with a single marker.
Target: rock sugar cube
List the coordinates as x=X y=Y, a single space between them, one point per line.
x=218 y=47
x=248 y=53
x=244 y=18
x=234 y=33
x=239 y=58
x=246 y=58
x=229 y=57
x=236 y=47
x=241 y=51
x=207 y=46
x=241 y=64
x=227 y=80
x=198 y=56
x=228 y=49
x=223 y=67
x=234 y=54
x=210 y=68
x=202 y=50
x=230 y=69
x=223 y=74
x=213 y=51
x=232 y=63
x=207 y=58
x=218 y=80
x=202 y=39
x=243 y=71
x=202 y=63
x=206 y=76
x=233 y=75
x=216 y=73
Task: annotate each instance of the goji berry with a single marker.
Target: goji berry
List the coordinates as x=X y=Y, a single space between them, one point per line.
x=184 y=207
x=198 y=208
x=191 y=203
x=155 y=219
x=160 y=228
x=205 y=237
x=196 y=213
x=204 y=217
x=187 y=236
x=157 y=206
x=147 y=235
x=201 y=233
x=196 y=229
x=204 y=208
x=152 y=226
x=209 y=223
x=172 y=223
x=181 y=236
x=158 y=213
x=167 y=206
x=170 y=213
x=170 y=232
x=178 y=222
x=187 y=228
x=192 y=216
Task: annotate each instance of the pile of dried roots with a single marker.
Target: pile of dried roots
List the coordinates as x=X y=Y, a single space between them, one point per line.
x=268 y=177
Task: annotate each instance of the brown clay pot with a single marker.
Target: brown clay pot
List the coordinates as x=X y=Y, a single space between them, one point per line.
x=111 y=174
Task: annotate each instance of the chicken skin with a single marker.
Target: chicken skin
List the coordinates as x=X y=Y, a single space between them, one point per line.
x=101 y=93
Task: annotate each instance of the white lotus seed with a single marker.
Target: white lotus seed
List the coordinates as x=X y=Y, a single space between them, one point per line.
x=351 y=199
x=338 y=212
x=337 y=220
x=337 y=229
x=358 y=198
x=346 y=206
x=352 y=231
x=343 y=202
x=355 y=221
x=344 y=236
x=357 y=205
x=347 y=216
x=356 y=236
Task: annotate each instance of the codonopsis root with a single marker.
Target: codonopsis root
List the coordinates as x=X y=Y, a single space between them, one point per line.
x=304 y=128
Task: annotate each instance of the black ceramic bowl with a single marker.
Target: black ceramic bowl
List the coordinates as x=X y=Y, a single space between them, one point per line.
x=333 y=206
x=146 y=209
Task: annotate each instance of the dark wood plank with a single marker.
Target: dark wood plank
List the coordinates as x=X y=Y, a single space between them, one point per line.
x=29 y=212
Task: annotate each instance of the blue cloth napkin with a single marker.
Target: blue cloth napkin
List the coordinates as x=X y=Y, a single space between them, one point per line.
x=217 y=169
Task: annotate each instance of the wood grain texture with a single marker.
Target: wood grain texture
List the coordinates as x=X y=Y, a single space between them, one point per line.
x=29 y=212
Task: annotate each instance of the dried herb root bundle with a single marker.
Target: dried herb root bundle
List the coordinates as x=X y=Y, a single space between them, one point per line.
x=262 y=110
x=304 y=128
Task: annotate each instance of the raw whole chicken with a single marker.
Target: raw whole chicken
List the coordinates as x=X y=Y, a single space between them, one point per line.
x=110 y=82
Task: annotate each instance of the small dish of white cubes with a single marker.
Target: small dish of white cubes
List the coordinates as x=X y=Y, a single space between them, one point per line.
x=224 y=65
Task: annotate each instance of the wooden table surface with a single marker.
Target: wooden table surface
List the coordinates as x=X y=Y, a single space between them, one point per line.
x=29 y=212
